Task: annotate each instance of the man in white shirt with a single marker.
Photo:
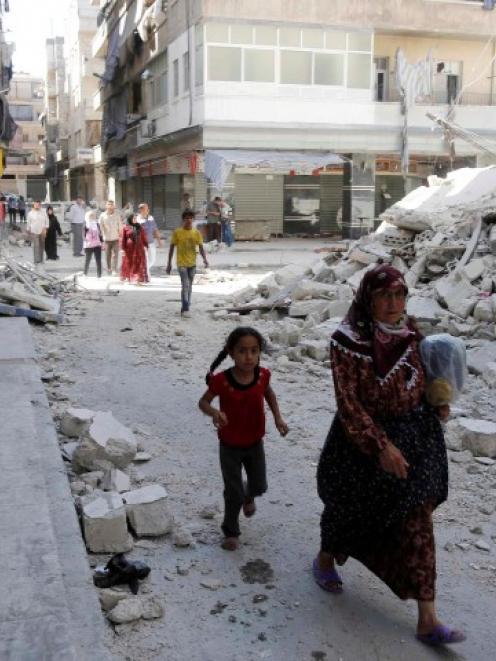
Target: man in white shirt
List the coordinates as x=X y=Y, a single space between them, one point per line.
x=77 y=215
x=37 y=226
x=110 y=225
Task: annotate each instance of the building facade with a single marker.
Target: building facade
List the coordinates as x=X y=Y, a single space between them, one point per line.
x=24 y=166
x=85 y=174
x=185 y=76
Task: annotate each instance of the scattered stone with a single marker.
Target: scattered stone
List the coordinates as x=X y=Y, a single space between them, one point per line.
x=105 y=525
x=93 y=478
x=209 y=511
x=106 y=441
x=182 y=537
x=127 y=610
x=141 y=457
x=147 y=511
x=464 y=546
x=257 y=571
x=145 y=544
x=461 y=457
x=116 y=480
x=487 y=509
x=477 y=530
x=211 y=584
x=489 y=374
x=109 y=598
x=76 y=421
x=449 y=546
x=478 y=436
x=318 y=308
x=152 y=608
x=485 y=461
x=78 y=488
x=479 y=357
x=482 y=545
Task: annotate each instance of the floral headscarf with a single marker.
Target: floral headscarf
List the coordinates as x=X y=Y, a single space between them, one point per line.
x=360 y=334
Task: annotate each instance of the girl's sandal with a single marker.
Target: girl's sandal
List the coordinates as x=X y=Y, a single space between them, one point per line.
x=328 y=579
x=441 y=635
x=230 y=544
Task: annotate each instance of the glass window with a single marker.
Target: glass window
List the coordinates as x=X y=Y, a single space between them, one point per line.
x=241 y=34
x=218 y=32
x=290 y=37
x=224 y=63
x=198 y=34
x=265 y=35
x=199 y=66
x=329 y=69
x=175 y=69
x=22 y=113
x=335 y=40
x=360 y=41
x=296 y=67
x=259 y=65
x=359 y=71
x=313 y=38
x=186 y=72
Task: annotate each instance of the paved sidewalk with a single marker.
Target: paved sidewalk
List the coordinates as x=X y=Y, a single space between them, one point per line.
x=49 y=610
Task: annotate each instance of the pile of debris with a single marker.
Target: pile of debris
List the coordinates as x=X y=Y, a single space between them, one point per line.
x=27 y=292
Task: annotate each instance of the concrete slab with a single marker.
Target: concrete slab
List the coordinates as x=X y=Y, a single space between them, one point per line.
x=15 y=339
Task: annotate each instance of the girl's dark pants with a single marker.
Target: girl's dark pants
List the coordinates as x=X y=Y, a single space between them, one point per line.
x=98 y=258
x=232 y=460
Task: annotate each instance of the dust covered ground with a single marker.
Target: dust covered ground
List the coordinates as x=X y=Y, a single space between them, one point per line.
x=132 y=354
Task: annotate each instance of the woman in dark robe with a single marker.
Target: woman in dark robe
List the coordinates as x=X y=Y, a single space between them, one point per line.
x=133 y=243
x=383 y=469
x=51 y=235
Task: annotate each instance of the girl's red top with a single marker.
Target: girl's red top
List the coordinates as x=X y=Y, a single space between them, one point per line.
x=243 y=405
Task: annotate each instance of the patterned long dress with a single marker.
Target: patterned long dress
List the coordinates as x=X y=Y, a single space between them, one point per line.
x=133 y=266
x=382 y=521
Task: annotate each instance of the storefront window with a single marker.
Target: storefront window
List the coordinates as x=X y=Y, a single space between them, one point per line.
x=301 y=205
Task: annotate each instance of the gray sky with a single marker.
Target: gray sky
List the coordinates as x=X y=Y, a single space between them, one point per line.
x=31 y=22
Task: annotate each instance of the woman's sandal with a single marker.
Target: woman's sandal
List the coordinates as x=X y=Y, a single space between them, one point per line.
x=441 y=635
x=328 y=579
x=230 y=544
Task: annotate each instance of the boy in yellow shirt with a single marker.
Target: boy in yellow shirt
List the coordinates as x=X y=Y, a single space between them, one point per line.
x=186 y=239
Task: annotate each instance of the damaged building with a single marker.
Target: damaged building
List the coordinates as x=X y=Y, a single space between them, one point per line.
x=185 y=77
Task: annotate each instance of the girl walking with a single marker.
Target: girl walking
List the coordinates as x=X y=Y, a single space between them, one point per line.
x=93 y=241
x=240 y=422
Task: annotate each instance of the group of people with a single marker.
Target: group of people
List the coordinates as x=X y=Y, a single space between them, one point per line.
x=383 y=469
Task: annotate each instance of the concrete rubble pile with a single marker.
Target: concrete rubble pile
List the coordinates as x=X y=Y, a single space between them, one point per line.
x=101 y=473
x=443 y=239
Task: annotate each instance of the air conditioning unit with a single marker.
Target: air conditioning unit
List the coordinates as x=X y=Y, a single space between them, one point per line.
x=149 y=129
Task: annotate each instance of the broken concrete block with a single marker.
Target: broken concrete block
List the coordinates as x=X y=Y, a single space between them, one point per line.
x=345 y=269
x=457 y=294
x=452 y=435
x=76 y=421
x=141 y=457
x=182 y=537
x=478 y=436
x=93 y=478
x=127 y=610
x=78 y=488
x=489 y=374
x=338 y=308
x=15 y=291
x=268 y=287
x=312 y=307
x=479 y=357
x=152 y=608
x=425 y=309
x=105 y=525
x=310 y=289
x=316 y=349
x=107 y=441
x=109 y=598
x=485 y=309
x=474 y=269
x=290 y=274
x=355 y=280
x=147 y=511
x=116 y=480
x=369 y=253
x=492 y=239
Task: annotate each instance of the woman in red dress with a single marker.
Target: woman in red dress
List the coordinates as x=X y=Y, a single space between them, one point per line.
x=133 y=243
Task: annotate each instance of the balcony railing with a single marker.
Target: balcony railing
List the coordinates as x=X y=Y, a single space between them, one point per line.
x=442 y=98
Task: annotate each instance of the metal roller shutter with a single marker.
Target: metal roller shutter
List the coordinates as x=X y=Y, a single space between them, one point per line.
x=158 y=200
x=172 y=201
x=146 y=195
x=331 y=200
x=260 y=197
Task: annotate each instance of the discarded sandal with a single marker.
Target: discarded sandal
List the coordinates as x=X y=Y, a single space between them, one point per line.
x=328 y=579
x=230 y=544
x=441 y=635
x=119 y=570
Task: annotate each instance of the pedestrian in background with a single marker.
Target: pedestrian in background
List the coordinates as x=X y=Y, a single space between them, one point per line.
x=213 y=219
x=242 y=390
x=93 y=241
x=225 y=221
x=77 y=215
x=21 y=206
x=147 y=221
x=186 y=239
x=111 y=225
x=12 y=204
x=133 y=249
x=54 y=229
x=3 y=214
x=37 y=227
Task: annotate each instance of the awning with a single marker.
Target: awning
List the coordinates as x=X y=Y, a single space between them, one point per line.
x=220 y=163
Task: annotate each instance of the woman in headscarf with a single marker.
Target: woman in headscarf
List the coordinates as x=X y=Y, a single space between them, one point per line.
x=51 y=235
x=133 y=243
x=383 y=469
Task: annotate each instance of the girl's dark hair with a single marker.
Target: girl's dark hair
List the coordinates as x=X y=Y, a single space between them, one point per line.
x=232 y=340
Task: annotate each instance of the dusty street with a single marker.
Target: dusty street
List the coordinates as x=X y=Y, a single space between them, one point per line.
x=132 y=354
